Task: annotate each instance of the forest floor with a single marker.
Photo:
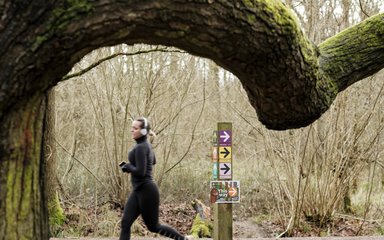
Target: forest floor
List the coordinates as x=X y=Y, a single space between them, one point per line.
x=83 y=222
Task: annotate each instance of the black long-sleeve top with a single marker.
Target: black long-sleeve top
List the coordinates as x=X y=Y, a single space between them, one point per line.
x=141 y=158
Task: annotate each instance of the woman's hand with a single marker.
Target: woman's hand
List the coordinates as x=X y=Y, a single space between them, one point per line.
x=124 y=167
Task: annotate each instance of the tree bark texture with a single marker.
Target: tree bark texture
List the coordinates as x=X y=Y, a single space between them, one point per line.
x=23 y=208
x=289 y=80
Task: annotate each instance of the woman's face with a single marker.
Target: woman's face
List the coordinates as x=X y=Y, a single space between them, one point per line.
x=135 y=129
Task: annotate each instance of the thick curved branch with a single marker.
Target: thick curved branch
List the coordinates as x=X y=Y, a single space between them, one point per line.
x=259 y=41
x=355 y=53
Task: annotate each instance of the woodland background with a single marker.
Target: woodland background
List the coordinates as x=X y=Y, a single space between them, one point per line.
x=302 y=182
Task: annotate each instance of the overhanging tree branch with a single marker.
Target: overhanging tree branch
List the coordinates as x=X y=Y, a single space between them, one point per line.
x=355 y=53
x=289 y=81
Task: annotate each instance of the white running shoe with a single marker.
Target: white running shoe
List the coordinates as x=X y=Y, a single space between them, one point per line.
x=189 y=237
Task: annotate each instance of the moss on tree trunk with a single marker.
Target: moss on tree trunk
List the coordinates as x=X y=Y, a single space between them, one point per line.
x=56 y=214
x=22 y=198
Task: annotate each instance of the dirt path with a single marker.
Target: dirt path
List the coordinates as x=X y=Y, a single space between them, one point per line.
x=244 y=230
x=248 y=229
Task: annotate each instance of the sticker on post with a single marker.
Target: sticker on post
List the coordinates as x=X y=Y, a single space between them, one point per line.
x=225 y=192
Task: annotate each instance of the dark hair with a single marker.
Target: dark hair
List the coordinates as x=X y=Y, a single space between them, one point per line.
x=142 y=120
x=142 y=125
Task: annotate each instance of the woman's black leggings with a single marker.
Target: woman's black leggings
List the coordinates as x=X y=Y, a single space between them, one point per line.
x=145 y=201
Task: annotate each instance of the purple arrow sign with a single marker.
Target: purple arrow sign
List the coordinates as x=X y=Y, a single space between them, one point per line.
x=225 y=137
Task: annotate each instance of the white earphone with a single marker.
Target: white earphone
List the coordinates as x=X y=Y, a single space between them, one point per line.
x=144 y=130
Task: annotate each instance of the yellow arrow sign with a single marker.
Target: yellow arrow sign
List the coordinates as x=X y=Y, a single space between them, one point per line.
x=225 y=153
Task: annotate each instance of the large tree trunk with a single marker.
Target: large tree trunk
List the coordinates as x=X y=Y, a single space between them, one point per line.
x=23 y=208
x=289 y=81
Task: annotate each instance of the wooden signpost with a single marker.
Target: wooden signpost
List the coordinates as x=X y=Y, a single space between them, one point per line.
x=223 y=191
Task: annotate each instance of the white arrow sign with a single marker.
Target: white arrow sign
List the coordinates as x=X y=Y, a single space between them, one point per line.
x=225 y=171
x=226 y=136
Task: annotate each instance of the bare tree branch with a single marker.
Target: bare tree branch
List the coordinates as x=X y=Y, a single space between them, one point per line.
x=97 y=63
